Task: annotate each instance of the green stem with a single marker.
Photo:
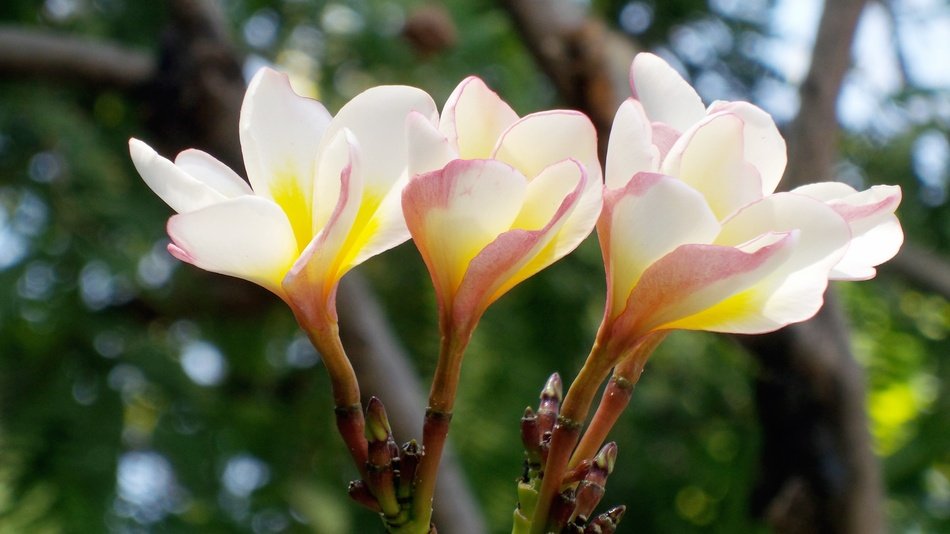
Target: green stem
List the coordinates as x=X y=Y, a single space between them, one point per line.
x=573 y=413
x=436 y=426
x=324 y=334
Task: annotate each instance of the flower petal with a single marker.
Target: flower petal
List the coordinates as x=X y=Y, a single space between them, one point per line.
x=794 y=291
x=764 y=146
x=538 y=239
x=665 y=95
x=248 y=237
x=705 y=287
x=474 y=118
x=206 y=168
x=453 y=213
x=280 y=132
x=709 y=157
x=180 y=190
x=429 y=150
x=630 y=149
x=642 y=222
x=876 y=232
x=312 y=280
x=542 y=139
x=377 y=118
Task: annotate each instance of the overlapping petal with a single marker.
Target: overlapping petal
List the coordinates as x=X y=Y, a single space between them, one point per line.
x=474 y=118
x=482 y=228
x=664 y=94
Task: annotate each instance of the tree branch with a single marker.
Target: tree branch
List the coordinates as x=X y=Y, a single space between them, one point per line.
x=51 y=57
x=922 y=267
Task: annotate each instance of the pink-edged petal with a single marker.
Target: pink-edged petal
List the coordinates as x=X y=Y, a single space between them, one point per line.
x=429 y=150
x=764 y=146
x=643 y=221
x=377 y=118
x=795 y=290
x=206 y=168
x=664 y=137
x=522 y=252
x=453 y=213
x=341 y=156
x=312 y=281
x=710 y=159
x=280 y=132
x=876 y=232
x=248 y=237
x=630 y=149
x=474 y=118
x=665 y=95
x=180 y=190
x=542 y=139
x=706 y=287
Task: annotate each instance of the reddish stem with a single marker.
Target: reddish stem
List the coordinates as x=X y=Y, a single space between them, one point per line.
x=615 y=398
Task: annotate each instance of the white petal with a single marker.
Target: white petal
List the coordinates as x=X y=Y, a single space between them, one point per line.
x=541 y=139
x=876 y=232
x=630 y=149
x=280 y=132
x=206 y=168
x=665 y=95
x=794 y=292
x=248 y=237
x=377 y=118
x=474 y=118
x=180 y=190
x=642 y=222
x=709 y=157
x=764 y=145
x=429 y=150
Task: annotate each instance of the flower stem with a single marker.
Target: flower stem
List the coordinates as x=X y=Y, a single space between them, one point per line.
x=435 y=429
x=615 y=398
x=573 y=412
x=325 y=336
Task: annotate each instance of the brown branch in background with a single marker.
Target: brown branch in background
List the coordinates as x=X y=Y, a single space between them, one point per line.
x=923 y=267
x=194 y=94
x=50 y=57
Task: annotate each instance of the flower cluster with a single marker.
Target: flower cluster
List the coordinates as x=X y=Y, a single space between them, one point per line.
x=693 y=233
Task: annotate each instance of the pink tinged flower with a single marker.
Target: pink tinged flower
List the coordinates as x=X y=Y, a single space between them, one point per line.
x=324 y=192
x=477 y=124
x=764 y=267
x=876 y=232
x=482 y=227
x=668 y=116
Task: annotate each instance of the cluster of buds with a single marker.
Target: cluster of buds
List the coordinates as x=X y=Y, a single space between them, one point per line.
x=387 y=488
x=583 y=486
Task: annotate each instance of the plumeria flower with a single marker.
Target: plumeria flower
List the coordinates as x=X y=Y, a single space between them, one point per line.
x=324 y=191
x=694 y=235
x=496 y=198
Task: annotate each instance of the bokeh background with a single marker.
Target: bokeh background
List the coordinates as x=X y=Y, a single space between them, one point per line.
x=138 y=394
